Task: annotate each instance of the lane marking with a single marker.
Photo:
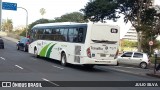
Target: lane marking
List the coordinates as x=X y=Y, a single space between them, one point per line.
x=19 y=66
x=57 y=67
x=2 y=58
x=50 y=82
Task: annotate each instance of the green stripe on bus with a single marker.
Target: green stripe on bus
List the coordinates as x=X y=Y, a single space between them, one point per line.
x=49 y=51
x=43 y=51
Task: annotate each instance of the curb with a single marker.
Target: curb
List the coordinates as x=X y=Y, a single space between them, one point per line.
x=138 y=74
x=145 y=74
x=127 y=72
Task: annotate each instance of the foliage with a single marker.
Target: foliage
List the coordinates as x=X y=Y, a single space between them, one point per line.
x=98 y=10
x=40 y=21
x=23 y=33
x=71 y=17
x=140 y=13
x=7 y=25
x=42 y=11
x=127 y=43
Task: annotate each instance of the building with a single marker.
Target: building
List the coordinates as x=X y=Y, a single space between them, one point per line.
x=131 y=35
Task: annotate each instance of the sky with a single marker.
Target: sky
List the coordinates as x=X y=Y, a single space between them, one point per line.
x=54 y=8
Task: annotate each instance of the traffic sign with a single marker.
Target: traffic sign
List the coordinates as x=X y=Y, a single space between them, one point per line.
x=9 y=6
x=150 y=43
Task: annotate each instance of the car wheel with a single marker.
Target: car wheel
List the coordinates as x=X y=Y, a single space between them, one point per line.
x=17 y=47
x=63 y=59
x=3 y=47
x=143 y=65
x=24 y=49
x=36 y=53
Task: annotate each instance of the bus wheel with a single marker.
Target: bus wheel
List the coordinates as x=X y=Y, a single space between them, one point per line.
x=88 y=66
x=36 y=53
x=63 y=59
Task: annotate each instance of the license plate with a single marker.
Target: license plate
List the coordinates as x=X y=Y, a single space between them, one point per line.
x=103 y=55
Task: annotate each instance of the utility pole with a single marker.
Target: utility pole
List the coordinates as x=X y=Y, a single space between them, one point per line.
x=0 y=15
x=26 y=18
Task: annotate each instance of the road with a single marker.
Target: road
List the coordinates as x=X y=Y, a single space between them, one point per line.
x=21 y=66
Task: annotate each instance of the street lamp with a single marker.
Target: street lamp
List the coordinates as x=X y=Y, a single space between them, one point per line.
x=0 y=14
x=26 y=18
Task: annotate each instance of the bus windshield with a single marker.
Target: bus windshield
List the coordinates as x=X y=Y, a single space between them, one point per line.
x=104 y=34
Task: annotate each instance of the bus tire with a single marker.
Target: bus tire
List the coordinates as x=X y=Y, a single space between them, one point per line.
x=36 y=53
x=63 y=59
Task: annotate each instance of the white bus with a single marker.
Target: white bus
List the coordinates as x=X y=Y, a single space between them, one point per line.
x=86 y=44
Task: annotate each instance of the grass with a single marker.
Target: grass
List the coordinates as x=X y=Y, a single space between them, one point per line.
x=153 y=59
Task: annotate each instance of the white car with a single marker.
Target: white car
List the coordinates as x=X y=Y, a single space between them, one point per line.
x=134 y=58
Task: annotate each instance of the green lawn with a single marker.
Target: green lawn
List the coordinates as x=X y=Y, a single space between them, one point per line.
x=153 y=59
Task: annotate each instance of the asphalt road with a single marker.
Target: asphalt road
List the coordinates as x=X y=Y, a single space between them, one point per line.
x=21 y=66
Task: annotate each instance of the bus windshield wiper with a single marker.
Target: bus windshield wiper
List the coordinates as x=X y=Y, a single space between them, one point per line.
x=104 y=41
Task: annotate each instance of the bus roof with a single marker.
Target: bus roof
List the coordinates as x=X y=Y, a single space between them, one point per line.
x=55 y=24
x=68 y=23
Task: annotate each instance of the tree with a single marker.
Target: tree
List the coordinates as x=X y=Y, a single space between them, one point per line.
x=71 y=17
x=40 y=21
x=42 y=11
x=98 y=10
x=138 y=12
x=7 y=25
x=157 y=24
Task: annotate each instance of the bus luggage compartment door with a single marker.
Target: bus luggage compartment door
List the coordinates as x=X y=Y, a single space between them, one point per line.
x=77 y=54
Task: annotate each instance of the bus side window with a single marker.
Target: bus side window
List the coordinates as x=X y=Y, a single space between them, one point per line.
x=75 y=37
x=47 y=34
x=39 y=33
x=80 y=34
x=36 y=34
x=70 y=35
x=61 y=36
x=57 y=34
x=65 y=34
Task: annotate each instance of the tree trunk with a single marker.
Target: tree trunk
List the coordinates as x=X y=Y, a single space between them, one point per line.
x=139 y=41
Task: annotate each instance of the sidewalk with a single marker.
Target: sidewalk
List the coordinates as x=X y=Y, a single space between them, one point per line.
x=134 y=70
x=152 y=74
x=11 y=39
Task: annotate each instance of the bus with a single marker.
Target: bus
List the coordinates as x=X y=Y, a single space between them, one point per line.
x=86 y=44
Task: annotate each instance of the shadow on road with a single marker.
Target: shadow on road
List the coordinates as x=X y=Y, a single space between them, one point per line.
x=78 y=67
